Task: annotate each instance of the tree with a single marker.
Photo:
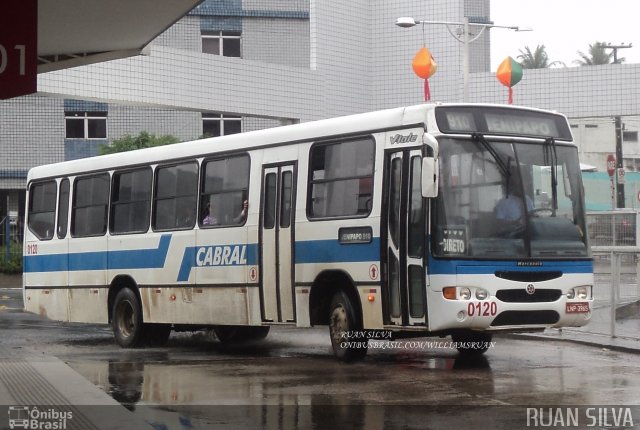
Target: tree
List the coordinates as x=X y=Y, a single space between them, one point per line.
x=143 y=140
x=537 y=59
x=597 y=55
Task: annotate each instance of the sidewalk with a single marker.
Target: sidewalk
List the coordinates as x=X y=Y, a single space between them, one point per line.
x=597 y=332
x=41 y=387
x=47 y=390
x=10 y=281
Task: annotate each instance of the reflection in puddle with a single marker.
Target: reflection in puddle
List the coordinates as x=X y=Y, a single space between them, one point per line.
x=278 y=394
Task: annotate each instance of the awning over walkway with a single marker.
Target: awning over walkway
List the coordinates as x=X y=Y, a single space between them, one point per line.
x=78 y=32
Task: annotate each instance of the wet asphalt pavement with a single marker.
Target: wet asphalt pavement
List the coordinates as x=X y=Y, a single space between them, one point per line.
x=291 y=379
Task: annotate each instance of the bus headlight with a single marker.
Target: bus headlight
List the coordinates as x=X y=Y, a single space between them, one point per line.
x=481 y=294
x=582 y=293
x=465 y=293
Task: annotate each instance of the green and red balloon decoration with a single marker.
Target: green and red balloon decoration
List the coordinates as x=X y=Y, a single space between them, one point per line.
x=509 y=73
x=425 y=66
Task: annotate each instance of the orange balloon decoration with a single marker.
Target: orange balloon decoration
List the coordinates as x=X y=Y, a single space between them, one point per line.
x=425 y=66
x=509 y=73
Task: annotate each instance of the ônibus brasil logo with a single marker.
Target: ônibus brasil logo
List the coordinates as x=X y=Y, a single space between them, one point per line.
x=34 y=418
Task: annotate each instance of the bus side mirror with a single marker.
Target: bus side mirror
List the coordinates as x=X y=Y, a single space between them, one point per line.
x=429 y=177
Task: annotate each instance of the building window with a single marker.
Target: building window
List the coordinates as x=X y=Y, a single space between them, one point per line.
x=630 y=136
x=214 y=125
x=86 y=125
x=225 y=43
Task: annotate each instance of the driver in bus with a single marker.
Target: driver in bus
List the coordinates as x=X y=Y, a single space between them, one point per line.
x=511 y=207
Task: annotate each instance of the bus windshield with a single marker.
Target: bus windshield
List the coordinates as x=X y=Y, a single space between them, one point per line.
x=508 y=200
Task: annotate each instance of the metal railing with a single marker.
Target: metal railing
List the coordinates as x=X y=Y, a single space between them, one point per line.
x=615 y=246
x=616 y=292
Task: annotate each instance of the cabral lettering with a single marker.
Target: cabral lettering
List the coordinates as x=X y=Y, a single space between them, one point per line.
x=234 y=255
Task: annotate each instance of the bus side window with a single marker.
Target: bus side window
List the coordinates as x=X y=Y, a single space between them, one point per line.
x=63 y=209
x=224 y=183
x=42 y=209
x=90 y=206
x=174 y=204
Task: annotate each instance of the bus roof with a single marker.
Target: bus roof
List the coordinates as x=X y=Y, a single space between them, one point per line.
x=308 y=131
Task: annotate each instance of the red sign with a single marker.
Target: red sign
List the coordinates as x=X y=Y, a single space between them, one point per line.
x=611 y=164
x=18 y=48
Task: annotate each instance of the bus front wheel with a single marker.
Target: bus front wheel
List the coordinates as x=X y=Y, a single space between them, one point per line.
x=342 y=325
x=126 y=321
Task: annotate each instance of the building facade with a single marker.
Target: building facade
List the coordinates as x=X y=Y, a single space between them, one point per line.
x=241 y=65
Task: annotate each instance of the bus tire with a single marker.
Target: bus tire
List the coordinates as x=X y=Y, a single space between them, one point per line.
x=126 y=320
x=342 y=321
x=230 y=334
x=471 y=343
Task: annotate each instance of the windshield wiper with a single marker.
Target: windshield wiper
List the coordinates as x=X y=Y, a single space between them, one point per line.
x=551 y=159
x=477 y=137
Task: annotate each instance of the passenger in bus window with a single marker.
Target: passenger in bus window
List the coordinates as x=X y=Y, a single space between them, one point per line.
x=210 y=219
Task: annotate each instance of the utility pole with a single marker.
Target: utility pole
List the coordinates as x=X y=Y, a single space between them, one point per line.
x=619 y=168
x=615 y=50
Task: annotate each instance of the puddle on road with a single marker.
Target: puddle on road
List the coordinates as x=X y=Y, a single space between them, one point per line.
x=204 y=384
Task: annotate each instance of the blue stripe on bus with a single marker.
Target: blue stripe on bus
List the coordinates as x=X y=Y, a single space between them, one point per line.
x=332 y=251
x=485 y=267
x=152 y=258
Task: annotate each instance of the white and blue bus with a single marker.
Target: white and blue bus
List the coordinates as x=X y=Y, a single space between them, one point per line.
x=389 y=221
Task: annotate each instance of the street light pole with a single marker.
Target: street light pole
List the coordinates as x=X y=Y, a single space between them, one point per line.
x=466 y=39
x=465 y=59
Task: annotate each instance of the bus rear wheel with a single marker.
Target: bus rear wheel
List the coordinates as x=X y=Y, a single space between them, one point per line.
x=470 y=343
x=126 y=320
x=342 y=322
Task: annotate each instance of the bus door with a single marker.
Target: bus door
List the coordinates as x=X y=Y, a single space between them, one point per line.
x=404 y=239
x=276 y=232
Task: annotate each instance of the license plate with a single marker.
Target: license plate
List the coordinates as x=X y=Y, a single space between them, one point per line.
x=577 y=308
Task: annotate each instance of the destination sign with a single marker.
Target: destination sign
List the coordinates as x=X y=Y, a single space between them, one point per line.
x=347 y=235
x=502 y=121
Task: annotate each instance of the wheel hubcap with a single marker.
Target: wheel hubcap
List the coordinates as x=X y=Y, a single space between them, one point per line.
x=339 y=324
x=126 y=319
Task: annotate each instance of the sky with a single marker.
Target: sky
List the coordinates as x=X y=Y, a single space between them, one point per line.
x=564 y=27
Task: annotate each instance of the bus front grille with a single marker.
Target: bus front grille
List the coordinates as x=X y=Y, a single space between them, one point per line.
x=526 y=318
x=521 y=296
